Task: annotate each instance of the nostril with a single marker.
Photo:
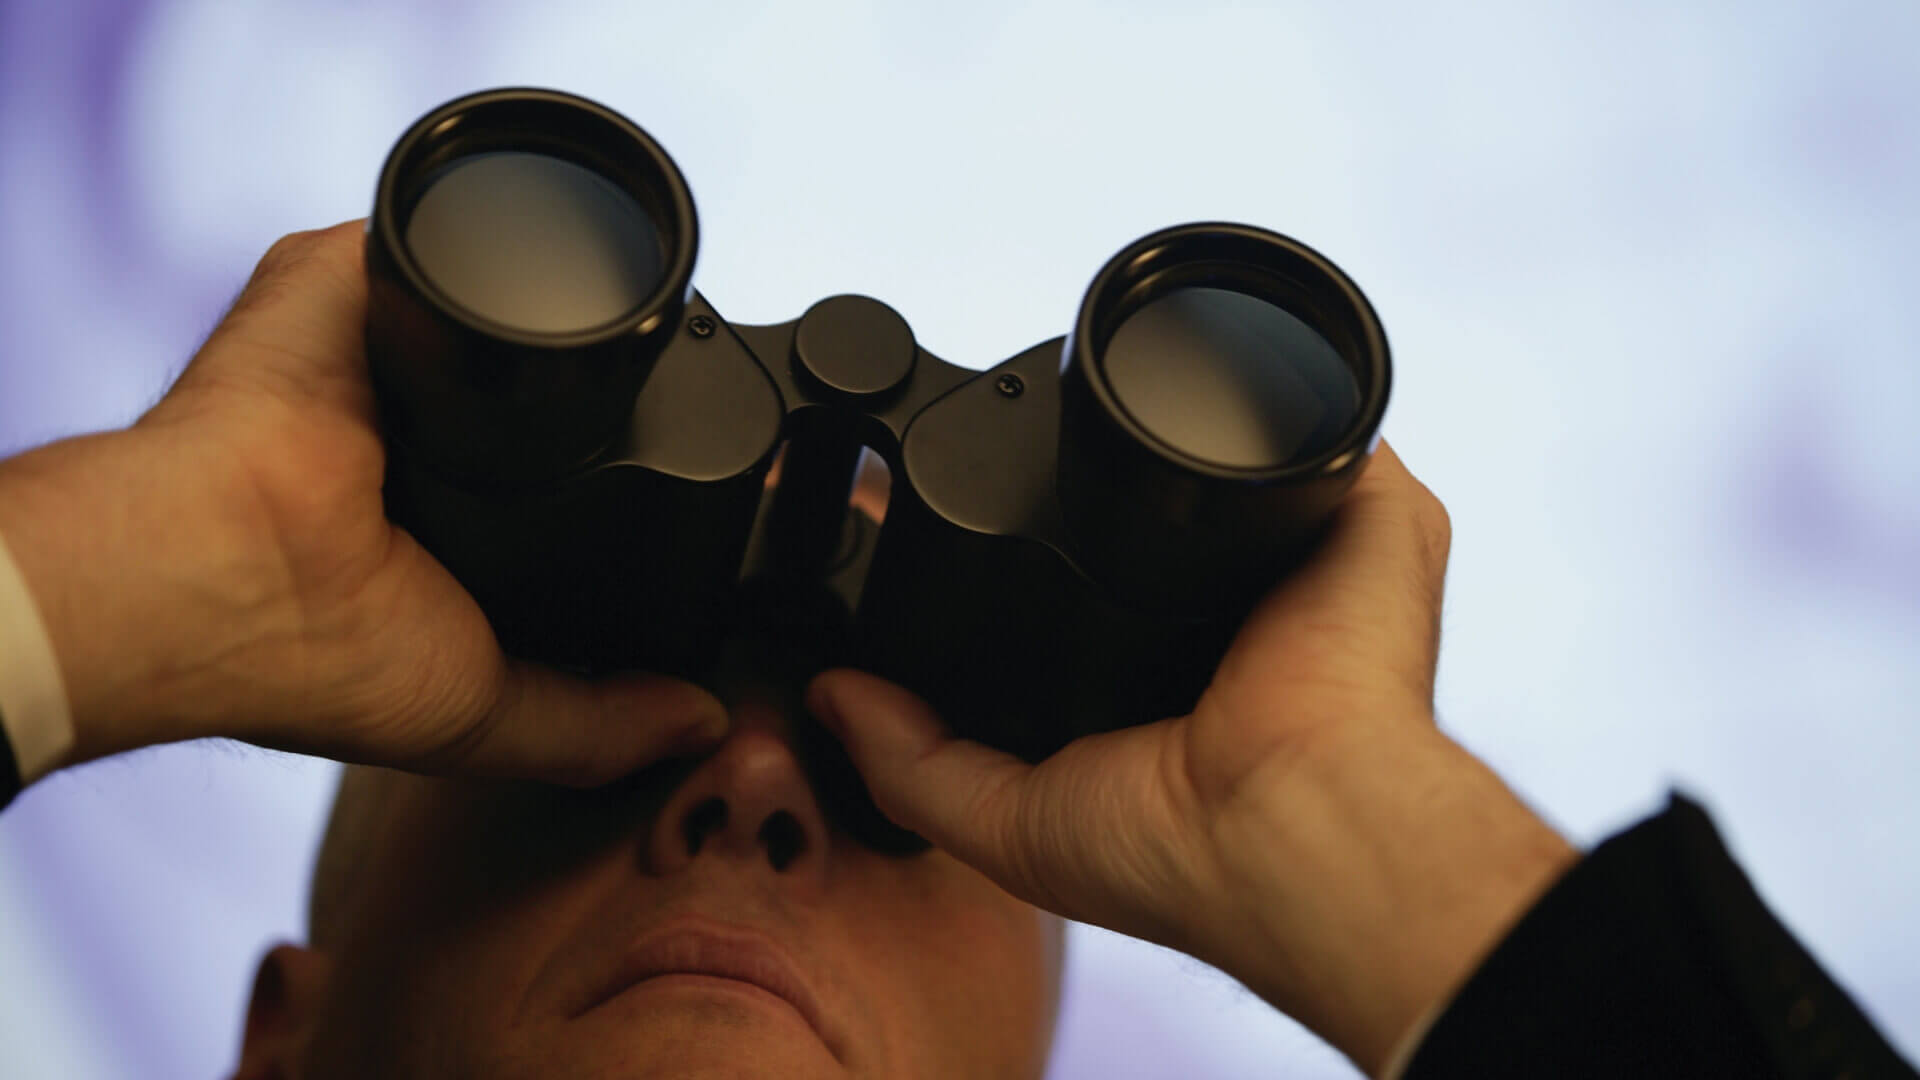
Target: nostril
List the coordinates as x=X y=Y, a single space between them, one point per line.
x=701 y=820
x=784 y=839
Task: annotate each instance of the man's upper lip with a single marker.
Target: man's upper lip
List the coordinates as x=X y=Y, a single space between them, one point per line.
x=706 y=948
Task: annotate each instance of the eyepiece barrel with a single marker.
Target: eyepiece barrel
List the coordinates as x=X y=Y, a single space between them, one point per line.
x=529 y=254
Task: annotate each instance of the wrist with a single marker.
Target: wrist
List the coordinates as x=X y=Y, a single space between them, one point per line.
x=134 y=568
x=1369 y=875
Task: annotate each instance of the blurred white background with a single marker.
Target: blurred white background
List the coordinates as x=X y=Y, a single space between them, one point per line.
x=1649 y=271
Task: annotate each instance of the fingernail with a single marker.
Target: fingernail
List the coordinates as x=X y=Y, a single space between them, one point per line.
x=715 y=718
x=710 y=725
x=821 y=703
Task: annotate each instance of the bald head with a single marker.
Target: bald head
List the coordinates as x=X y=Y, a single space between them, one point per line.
x=360 y=803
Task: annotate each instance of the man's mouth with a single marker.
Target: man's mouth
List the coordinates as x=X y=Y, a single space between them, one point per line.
x=703 y=947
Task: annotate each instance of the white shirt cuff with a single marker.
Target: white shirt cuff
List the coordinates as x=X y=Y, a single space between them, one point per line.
x=33 y=696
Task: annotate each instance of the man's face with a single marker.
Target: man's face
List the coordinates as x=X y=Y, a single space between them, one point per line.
x=514 y=930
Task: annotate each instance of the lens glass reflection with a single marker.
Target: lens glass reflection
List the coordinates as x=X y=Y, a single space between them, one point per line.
x=535 y=243
x=1231 y=379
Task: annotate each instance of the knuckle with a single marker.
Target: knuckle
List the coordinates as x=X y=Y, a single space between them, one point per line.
x=301 y=272
x=1439 y=521
x=293 y=256
x=1434 y=524
x=286 y=252
x=273 y=274
x=583 y=769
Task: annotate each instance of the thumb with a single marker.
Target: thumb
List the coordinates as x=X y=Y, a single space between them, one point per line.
x=962 y=796
x=297 y=327
x=549 y=725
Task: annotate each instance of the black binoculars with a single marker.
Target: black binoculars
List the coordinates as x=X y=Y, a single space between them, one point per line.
x=1070 y=537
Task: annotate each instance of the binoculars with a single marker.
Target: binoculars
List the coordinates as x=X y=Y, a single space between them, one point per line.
x=1070 y=537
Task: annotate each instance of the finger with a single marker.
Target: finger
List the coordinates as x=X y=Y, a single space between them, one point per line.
x=960 y=795
x=1389 y=505
x=548 y=725
x=1389 y=528
x=1372 y=588
x=1394 y=520
x=872 y=485
x=299 y=324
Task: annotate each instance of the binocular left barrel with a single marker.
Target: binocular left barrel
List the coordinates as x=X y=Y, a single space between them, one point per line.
x=529 y=255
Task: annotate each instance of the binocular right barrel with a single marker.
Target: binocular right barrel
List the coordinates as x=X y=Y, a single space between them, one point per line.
x=1086 y=525
x=1221 y=389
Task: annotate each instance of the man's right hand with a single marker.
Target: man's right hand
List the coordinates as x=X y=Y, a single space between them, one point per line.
x=1305 y=827
x=225 y=567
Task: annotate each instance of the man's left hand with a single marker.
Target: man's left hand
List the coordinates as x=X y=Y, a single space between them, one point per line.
x=225 y=567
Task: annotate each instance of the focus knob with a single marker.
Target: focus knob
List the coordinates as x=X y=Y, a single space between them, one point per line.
x=853 y=348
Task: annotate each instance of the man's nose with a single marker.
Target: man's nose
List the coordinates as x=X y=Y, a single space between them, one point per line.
x=750 y=801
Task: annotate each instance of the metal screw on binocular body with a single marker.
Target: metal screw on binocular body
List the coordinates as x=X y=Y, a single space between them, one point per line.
x=1071 y=536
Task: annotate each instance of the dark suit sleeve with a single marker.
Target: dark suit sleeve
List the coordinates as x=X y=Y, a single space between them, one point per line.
x=1654 y=958
x=9 y=768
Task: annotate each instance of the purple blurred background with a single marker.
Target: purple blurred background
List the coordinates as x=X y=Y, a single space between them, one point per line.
x=1649 y=275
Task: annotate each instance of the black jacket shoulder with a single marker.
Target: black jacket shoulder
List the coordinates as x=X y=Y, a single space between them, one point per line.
x=1654 y=958
x=9 y=768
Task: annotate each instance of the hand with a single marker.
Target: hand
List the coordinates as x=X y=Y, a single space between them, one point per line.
x=225 y=567
x=1306 y=828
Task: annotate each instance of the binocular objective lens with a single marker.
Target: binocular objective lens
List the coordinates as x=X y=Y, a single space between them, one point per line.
x=535 y=243
x=1231 y=379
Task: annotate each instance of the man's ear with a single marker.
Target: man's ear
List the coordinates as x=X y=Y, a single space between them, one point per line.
x=288 y=993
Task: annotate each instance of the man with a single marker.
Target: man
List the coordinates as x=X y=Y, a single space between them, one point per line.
x=629 y=877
